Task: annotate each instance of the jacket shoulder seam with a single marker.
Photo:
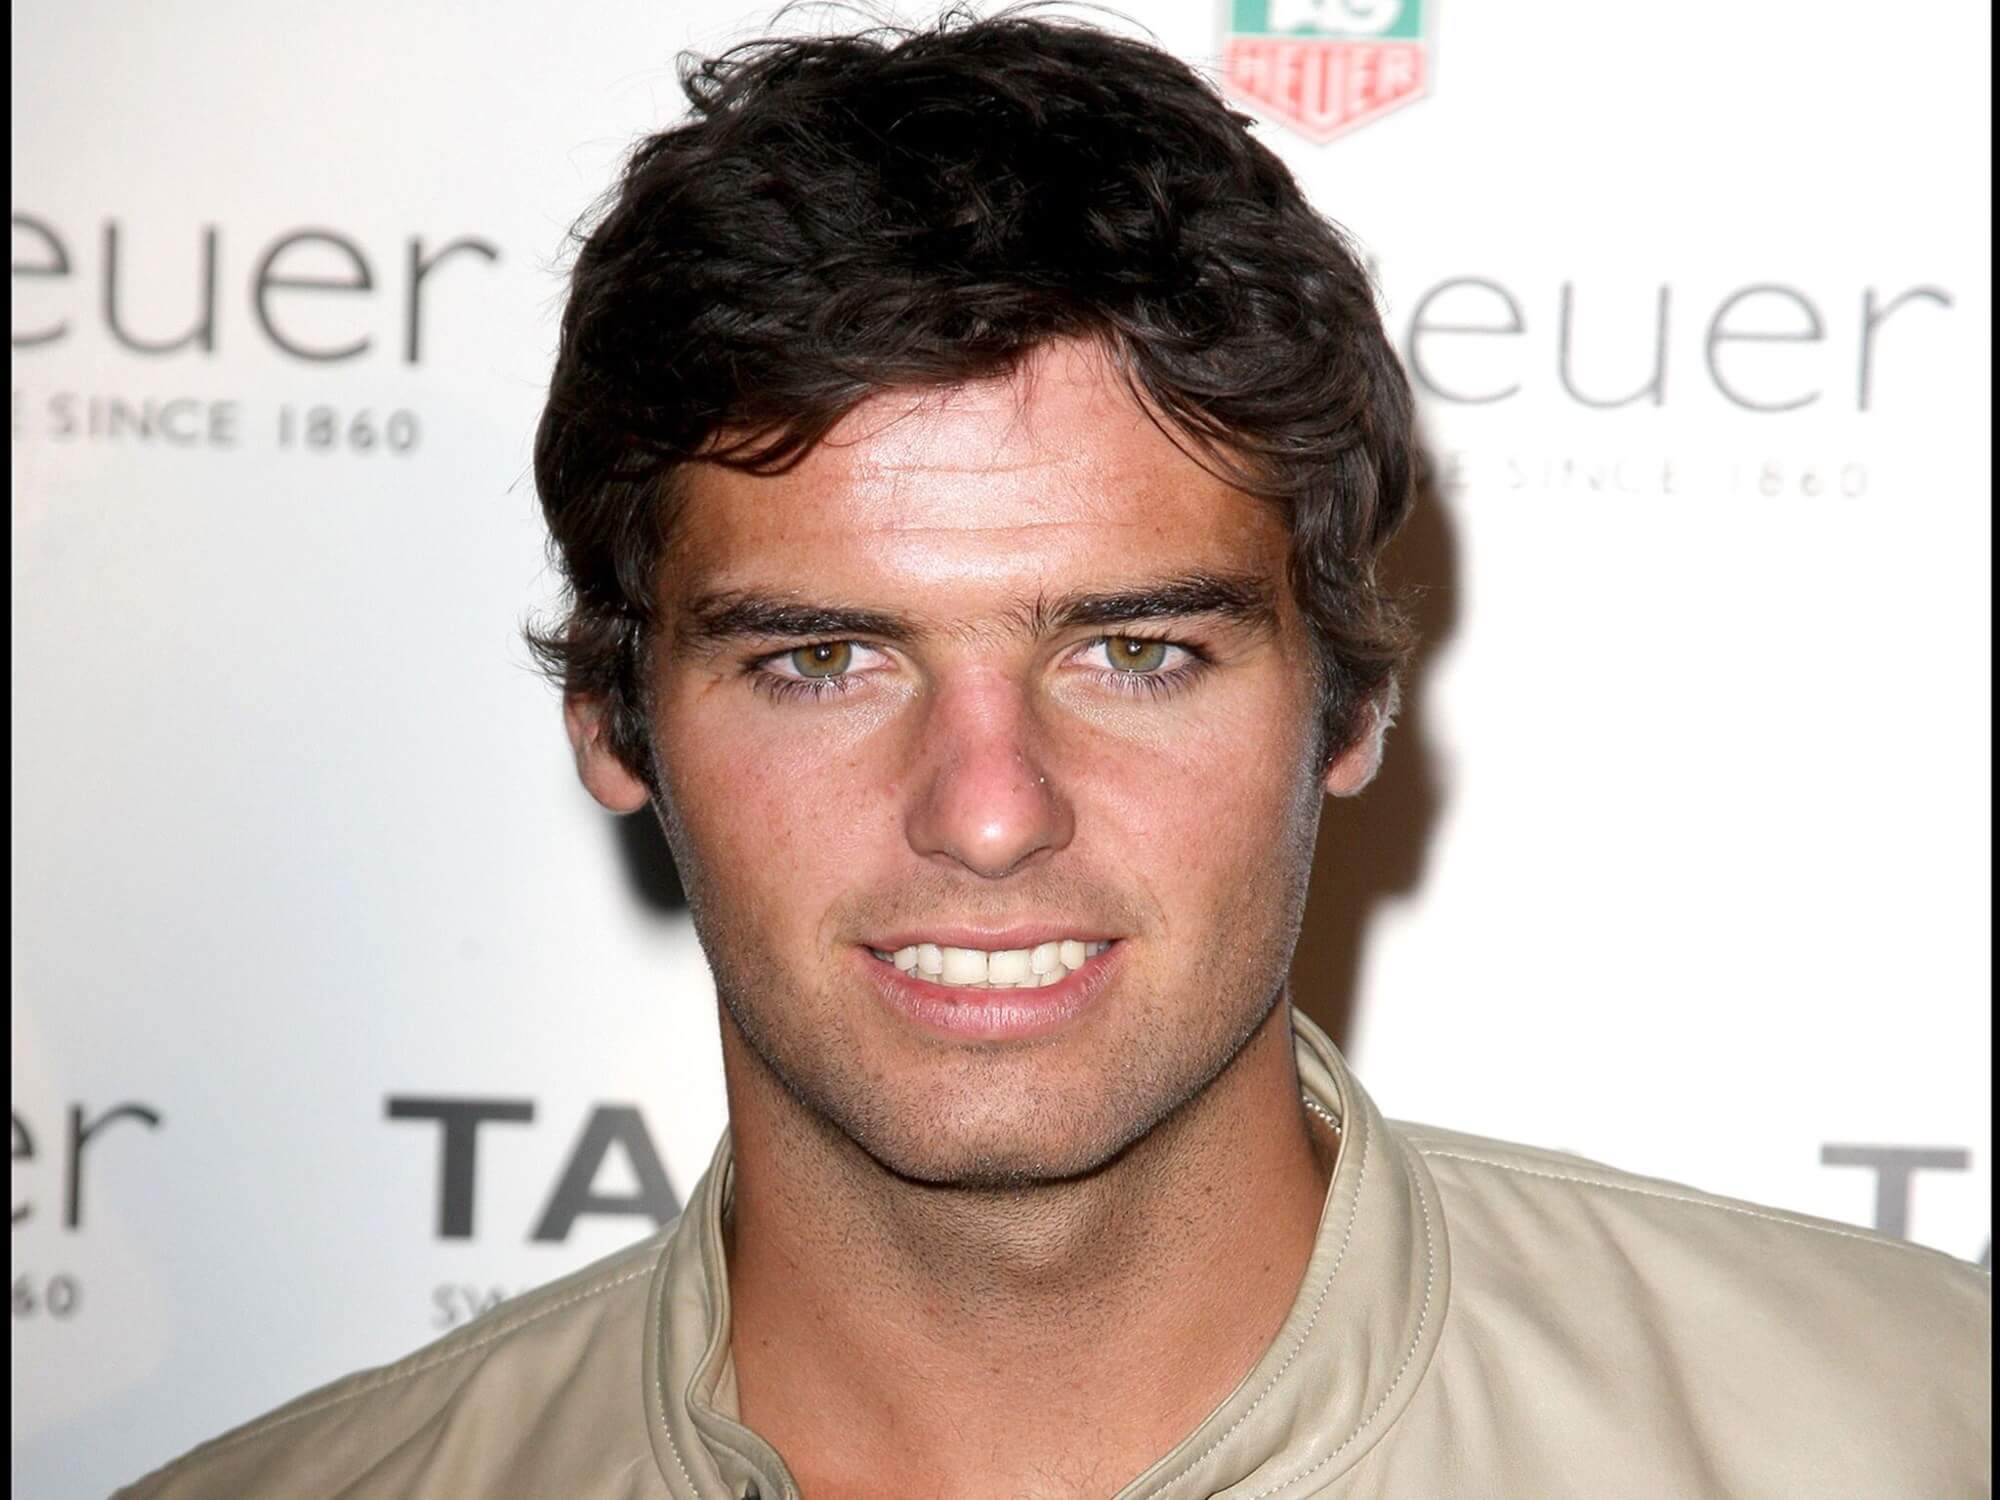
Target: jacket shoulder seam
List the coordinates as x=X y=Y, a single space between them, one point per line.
x=396 y=1374
x=1423 y=1316
x=1699 y=1201
x=1303 y=1336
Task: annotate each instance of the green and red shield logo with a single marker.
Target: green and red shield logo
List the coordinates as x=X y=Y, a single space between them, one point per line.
x=1326 y=66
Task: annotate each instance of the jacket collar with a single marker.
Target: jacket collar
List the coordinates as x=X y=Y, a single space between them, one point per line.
x=1342 y=1368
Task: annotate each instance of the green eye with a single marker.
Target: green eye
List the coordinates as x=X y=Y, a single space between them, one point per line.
x=1129 y=655
x=827 y=659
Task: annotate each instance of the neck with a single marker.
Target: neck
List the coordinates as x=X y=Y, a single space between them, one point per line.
x=1038 y=1341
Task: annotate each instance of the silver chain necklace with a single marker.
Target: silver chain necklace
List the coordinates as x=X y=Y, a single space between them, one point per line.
x=1319 y=1109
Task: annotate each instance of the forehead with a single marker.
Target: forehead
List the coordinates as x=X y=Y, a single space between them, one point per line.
x=1052 y=475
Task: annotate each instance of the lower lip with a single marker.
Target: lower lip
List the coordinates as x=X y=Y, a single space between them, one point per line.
x=993 y=1015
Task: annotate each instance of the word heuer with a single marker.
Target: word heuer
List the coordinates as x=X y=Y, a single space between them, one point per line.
x=1324 y=67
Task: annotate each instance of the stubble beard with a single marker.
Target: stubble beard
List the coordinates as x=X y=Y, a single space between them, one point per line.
x=946 y=1130
x=924 y=1139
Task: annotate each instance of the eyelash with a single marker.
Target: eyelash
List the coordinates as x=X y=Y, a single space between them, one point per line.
x=785 y=689
x=792 y=689
x=1153 y=685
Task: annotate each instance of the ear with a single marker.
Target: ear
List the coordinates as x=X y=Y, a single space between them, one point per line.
x=1356 y=766
x=603 y=774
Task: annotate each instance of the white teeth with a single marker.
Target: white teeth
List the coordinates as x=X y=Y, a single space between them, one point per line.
x=1004 y=969
x=1008 y=966
x=964 y=966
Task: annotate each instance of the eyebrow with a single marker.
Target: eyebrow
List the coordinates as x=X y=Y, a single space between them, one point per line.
x=1233 y=597
x=716 y=619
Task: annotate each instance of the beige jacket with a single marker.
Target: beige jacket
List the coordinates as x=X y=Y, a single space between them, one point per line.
x=1477 y=1320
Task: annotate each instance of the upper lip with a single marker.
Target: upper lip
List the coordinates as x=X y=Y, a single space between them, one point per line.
x=991 y=939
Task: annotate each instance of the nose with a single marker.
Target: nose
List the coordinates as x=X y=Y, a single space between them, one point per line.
x=985 y=797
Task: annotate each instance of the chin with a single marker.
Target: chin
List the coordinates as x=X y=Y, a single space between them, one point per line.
x=994 y=1162
x=1061 y=1136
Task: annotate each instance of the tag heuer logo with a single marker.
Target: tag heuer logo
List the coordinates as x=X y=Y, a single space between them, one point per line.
x=1326 y=66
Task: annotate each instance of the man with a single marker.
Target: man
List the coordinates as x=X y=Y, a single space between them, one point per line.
x=970 y=456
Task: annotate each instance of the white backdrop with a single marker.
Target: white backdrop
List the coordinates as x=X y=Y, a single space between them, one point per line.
x=1684 y=846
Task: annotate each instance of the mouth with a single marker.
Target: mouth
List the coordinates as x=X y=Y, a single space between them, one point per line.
x=993 y=994
x=1039 y=967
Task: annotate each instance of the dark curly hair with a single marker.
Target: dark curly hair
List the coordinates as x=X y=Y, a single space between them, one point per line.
x=844 y=215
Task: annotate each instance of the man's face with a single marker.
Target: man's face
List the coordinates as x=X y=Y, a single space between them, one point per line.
x=993 y=668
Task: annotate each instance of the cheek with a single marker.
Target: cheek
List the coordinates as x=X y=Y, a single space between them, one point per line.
x=782 y=816
x=1212 y=814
